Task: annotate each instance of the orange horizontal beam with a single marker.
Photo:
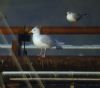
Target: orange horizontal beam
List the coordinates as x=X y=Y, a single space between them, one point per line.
x=71 y=30
x=14 y=30
x=52 y=30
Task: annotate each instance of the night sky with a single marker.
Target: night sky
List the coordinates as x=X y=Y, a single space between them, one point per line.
x=52 y=13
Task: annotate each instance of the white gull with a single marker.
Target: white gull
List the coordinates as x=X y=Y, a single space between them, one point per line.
x=42 y=41
x=74 y=17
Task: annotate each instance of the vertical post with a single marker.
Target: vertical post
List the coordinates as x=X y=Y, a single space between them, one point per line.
x=20 y=45
x=17 y=44
x=16 y=47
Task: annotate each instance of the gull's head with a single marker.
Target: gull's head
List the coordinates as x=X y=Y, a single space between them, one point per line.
x=69 y=12
x=35 y=30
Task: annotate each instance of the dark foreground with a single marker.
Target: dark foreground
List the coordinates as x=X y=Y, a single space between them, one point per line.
x=50 y=63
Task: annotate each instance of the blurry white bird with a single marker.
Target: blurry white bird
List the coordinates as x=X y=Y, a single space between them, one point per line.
x=74 y=17
x=42 y=41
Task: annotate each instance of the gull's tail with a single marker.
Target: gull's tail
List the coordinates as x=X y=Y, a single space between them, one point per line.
x=59 y=44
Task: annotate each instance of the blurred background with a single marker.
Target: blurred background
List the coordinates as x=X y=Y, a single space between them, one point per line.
x=52 y=13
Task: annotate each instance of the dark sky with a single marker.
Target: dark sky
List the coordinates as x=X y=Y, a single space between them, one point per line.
x=49 y=12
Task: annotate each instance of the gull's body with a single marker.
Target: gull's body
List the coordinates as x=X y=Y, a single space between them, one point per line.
x=38 y=41
x=71 y=17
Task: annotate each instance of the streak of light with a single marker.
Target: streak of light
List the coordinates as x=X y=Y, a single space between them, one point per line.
x=68 y=47
x=13 y=55
x=15 y=58
x=57 y=79
x=2 y=82
x=71 y=73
